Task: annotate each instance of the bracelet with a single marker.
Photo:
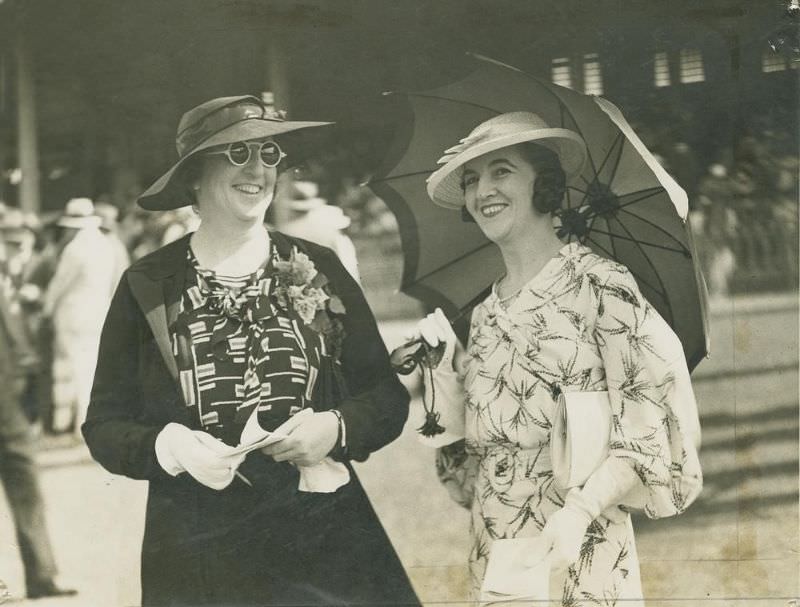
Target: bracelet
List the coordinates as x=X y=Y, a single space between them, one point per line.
x=341 y=439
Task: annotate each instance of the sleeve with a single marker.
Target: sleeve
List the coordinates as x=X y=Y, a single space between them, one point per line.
x=113 y=430
x=376 y=407
x=457 y=469
x=655 y=427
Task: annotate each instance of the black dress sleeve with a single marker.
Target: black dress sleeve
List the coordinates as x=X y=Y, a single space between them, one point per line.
x=376 y=406
x=114 y=429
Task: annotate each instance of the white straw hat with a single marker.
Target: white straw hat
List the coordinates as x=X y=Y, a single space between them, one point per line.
x=79 y=213
x=444 y=184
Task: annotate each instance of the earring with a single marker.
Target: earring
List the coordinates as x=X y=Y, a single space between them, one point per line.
x=196 y=188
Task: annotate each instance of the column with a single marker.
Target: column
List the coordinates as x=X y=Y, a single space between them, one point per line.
x=27 y=146
x=278 y=85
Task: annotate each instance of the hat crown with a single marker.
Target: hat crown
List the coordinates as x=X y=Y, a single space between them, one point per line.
x=14 y=219
x=215 y=115
x=494 y=128
x=79 y=207
x=303 y=190
x=510 y=121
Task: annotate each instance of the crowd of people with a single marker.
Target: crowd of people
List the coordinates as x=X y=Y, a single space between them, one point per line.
x=60 y=271
x=58 y=276
x=743 y=211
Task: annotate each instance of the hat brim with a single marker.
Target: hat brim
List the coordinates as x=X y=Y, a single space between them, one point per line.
x=92 y=221
x=159 y=197
x=444 y=184
x=307 y=204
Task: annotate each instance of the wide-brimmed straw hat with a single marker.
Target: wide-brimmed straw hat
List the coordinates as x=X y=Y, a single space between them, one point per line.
x=444 y=184
x=217 y=122
x=79 y=214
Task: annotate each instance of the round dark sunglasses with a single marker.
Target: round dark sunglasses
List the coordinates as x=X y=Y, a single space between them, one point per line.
x=269 y=153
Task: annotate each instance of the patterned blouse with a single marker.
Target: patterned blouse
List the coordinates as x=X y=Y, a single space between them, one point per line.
x=237 y=349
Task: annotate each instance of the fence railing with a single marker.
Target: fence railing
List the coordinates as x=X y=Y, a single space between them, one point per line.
x=766 y=256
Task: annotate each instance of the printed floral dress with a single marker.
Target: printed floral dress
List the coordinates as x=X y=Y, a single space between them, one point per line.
x=580 y=325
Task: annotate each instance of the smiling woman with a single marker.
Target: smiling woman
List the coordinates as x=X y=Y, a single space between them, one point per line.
x=561 y=320
x=234 y=330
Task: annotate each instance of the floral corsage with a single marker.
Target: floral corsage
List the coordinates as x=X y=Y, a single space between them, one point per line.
x=299 y=285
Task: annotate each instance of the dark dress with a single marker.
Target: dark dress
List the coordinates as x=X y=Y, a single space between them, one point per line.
x=268 y=544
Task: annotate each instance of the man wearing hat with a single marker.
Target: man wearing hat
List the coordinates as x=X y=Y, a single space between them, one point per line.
x=76 y=301
x=312 y=218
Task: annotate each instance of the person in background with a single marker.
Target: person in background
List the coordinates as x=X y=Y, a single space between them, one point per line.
x=76 y=301
x=18 y=233
x=38 y=274
x=312 y=218
x=714 y=223
x=109 y=216
x=17 y=455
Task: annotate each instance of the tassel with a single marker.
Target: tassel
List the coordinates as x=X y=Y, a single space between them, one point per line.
x=431 y=426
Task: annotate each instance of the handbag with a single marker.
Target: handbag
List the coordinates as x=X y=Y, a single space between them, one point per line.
x=509 y=578
x=580 y=436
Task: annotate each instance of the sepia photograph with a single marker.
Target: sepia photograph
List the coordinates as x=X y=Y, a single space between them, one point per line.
x=372 y=303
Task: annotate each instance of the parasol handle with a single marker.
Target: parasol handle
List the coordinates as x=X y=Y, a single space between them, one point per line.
x=406 y=357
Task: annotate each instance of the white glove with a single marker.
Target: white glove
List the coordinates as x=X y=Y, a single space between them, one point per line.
x=565 y=529
x=443 y=387
x=436 y=329
x=208 y=460
x=563 y=535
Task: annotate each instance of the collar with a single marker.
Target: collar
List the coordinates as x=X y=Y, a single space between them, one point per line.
x=165 y=262
x=170 y=259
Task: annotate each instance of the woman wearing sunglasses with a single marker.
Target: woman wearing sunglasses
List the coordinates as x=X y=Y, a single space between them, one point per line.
x=233 y=330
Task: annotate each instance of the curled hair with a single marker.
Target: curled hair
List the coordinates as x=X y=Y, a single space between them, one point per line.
x=550 y=184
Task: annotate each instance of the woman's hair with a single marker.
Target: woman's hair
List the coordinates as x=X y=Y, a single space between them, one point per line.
x=189 y=173
x=550 y=183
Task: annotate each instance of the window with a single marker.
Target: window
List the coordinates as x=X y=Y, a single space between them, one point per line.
x=692 y=69
x=661 y=70
x=592 y=75
x=561 y=72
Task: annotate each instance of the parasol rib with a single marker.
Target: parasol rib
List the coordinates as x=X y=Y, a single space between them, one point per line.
x=389 y=178
x=643 y=242
x=451 y=100
x=650 y=193
x=652 y=267
x=450 y=263
x=653 y=224
x=619 y=145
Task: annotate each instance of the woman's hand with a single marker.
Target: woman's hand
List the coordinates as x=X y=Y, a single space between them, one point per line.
x=562 y=536
x=310 y=439
x=208 y=460
x=435 y=329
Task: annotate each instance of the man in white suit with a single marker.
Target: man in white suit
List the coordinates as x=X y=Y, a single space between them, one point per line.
x=76 y=300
